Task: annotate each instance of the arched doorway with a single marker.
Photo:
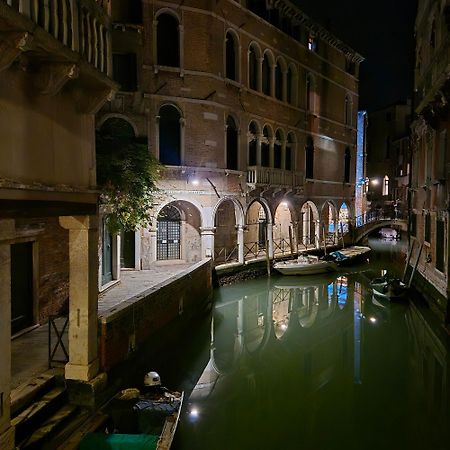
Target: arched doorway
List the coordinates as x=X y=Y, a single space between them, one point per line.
x=310 y=229
x=283 y=236
x=178 y=232
x=328 y=223
x=225 y=238
x=256 y=236
x=344 y=215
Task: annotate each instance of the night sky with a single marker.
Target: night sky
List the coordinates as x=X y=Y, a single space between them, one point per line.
x=383 y=32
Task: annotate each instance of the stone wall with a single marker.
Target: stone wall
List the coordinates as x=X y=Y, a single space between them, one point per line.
x=125 y=330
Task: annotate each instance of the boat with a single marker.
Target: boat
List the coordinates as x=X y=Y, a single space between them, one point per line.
x=305 y=265
x=351 y=255
x=388 y=288
x=138 y=420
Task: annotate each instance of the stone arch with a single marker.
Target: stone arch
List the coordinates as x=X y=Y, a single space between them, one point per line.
x=328 y=219
x=228 y=215
x=107 y=117
x=309 y=225
x=344 y=217
x=257 y=219
x=283 y=232
x=179 y=224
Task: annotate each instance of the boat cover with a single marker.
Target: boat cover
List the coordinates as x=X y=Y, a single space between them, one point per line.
x=102 y=441
x=338 y=256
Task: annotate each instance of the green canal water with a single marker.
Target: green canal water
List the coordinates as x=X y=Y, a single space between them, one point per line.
x=316 y=363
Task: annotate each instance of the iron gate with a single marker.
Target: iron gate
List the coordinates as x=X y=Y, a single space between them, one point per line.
x=168 y=239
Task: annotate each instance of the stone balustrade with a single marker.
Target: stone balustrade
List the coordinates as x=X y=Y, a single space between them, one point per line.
x=276 y=177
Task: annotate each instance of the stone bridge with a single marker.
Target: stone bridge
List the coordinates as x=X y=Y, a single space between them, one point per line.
x=372 y=223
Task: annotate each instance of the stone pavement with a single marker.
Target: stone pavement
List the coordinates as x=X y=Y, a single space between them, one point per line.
x=29 y=352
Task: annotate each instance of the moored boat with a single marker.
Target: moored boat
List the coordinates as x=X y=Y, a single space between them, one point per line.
x=139 y=420
x=305 y=265
x=351 y=255
x=392 y=289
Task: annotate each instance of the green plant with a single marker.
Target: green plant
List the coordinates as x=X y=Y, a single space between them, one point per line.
x=127 y=176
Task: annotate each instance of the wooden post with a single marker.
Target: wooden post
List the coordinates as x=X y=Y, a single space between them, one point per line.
x=291 y=241
x=415 y=265
x=267 y=258
x=407 y=261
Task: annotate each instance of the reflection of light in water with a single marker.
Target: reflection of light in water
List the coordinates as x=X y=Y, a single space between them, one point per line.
x=342 y=292
x=194 y=413
x=283 y=326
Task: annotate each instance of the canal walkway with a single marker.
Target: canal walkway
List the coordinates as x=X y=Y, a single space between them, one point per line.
x=26 y=365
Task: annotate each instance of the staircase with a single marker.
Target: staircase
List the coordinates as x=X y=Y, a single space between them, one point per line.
x=42 y=415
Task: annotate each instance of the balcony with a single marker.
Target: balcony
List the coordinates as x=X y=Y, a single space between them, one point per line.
x=72 y=41
x=268 y=176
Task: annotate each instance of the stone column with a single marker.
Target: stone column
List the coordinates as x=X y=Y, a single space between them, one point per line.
x=83 y=292
x=7 y=233
x=207 y=234
x=270 y=239
x=240 y=243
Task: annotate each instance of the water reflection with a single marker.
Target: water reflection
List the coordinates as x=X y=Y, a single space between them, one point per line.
x=317 y=363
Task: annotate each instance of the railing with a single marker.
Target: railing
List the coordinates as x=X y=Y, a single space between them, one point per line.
x=377 y=215
x=254 y=249
x=281 y=247
x=224 y=255
x=83 y=30
x=277 y=177
x=59 y=326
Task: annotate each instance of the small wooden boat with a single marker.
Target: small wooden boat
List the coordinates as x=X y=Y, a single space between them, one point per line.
x=351 y=255
x=392 y=289
x=138 y=421
x=305 y=265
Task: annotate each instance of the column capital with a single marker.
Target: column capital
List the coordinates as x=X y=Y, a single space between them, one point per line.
x=207 y=230
x=79 y=222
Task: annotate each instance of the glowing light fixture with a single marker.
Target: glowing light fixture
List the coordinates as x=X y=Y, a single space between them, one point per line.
x=375 y=181
x=373 y=319
x=195 y=182
x=193 y=412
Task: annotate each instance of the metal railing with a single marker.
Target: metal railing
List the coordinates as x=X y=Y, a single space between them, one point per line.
x=54 y=327
x=281 y=247
x=254 y=249
x=224 y=255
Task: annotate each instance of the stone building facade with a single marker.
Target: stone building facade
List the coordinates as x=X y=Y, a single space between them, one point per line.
x=429 y=224
x=252 y=109
x=55 y=62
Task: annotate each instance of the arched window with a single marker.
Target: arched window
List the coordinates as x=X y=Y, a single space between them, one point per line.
x=348 y=111
x=253 y=68
x=265 y=147
x=252 y=144
x=289 y=87
x=279 y=81
x=347 y=161
x=309 y=93
x=169 y=136
x=231 y=55
x=168 y=41
x=289 y=151
x=277 y=150
x=232 y=144
x=266 y=75
x=309 y=155
x=168 y=234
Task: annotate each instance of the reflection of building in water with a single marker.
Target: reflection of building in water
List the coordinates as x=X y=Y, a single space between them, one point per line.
x=249 y=334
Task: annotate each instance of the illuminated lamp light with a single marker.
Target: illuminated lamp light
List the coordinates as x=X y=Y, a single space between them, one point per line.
x=195 y=182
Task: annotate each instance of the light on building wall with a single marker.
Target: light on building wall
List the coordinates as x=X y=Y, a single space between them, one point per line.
x=375 y=181
x=195 y=182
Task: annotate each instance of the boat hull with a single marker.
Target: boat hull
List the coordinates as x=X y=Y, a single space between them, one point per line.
x=294 y=268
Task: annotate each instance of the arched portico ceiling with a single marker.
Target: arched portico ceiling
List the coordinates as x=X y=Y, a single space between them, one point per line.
x=263 y=204
x=237 y=206
x=310 y=204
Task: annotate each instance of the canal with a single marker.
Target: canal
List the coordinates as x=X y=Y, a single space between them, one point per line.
x=316 y=363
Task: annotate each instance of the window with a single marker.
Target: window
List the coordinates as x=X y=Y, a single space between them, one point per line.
x=168 y=41
x=289 y=87
x=168 y=234
x=312 y=43
x=266 y=75
x=427 y=234
x=289 y=151
x=231 y=53
x=347 y=161
x=253 y=68
x=440 y=245
x=309 y=155
x=169 y=135
x=277 y=150
x=252 y=144
x=279 y=81
x=232 y=144
x=125 y=71
x=265 y=147
x=386 y=185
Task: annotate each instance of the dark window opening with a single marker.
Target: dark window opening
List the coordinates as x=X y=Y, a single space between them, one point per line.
x=347 y=165
x=230 y=59
x=440 y=245
x=168 y=43
x=274 y=17
x=289 y=80
x=125 y=71
x=129 y=11
x=253 y=69
x=277 y=151
x=278 y=82
x=286 y=25
x=169 y=136
x=309 y=153
x=413 y=225
x=265 y=149
x=427 y=234
x=232 y=144
x=258 y=7
x=266 y=75
x=252 y=146
x=297 y=32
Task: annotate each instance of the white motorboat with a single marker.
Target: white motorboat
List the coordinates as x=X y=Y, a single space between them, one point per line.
x=305 y=265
